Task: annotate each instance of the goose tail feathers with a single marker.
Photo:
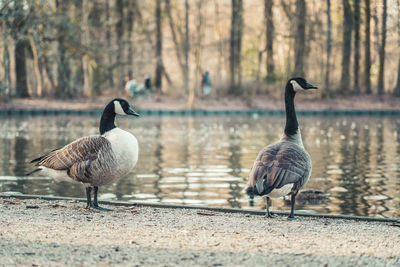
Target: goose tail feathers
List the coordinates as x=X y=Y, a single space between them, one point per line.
x=251 y=191
x=36 y=160
x=259 y=189
x=32 y=172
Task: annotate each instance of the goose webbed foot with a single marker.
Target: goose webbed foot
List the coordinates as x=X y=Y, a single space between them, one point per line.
x=91 y=206
x=89 y=203
x=95 y=203
x=292 y=218
x=292 y=201
x=97 y=207
x=268 y=214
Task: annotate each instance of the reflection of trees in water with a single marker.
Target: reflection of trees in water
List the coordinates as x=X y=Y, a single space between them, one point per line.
x=199 y=148
x=398 y=152
x=235 y=157
x=397 y=166
x=366 y=152
x=6 y=155
x=350 y=203
x=358 y=170
x=326 y=148
x=157 y=170
x=380 y=167
x=21 y=154
x=186 y=155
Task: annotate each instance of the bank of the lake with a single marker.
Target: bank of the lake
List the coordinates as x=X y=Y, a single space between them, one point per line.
x=38 y=232
x=165 y=102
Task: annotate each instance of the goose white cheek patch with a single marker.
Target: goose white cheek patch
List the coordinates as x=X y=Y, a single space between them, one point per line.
x=118 y=109
x=296 y=86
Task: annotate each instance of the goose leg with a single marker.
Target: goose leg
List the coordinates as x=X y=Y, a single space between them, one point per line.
x=88 y=197
x=251 y=201
x=268 y=204
x=292 y=201
x=95 y=202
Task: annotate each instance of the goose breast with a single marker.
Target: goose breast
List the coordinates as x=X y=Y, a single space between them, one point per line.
x=125 y=148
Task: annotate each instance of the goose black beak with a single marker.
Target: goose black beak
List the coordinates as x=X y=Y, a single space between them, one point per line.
x=310 y=86
x=132 y=112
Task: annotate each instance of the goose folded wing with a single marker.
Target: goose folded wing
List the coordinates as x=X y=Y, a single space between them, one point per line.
x=82 y=150
x=279 y=165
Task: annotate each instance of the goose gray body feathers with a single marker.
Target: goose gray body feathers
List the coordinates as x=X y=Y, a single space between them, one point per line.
x=280 y=168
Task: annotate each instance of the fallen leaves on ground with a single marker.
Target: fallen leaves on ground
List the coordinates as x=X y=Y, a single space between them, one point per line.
x=12 y=202
x=56 y=205
x=205 y=213
x=32 y=207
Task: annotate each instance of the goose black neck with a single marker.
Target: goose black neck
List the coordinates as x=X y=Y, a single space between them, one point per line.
x=292 y=125
x=107 y=119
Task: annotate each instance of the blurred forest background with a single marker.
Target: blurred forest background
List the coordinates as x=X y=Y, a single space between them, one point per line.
x=73 y=48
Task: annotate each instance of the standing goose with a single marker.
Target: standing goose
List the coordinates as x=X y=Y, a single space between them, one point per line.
x=94 y=160
x=284 y=167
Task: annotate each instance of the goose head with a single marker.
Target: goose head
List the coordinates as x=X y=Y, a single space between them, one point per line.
x=122 y=107
x=299 y=84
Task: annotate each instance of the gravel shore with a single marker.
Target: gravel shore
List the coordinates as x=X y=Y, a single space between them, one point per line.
x=58 y=233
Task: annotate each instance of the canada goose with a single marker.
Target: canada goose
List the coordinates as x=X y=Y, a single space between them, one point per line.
x=284 y=167
x=94 y=160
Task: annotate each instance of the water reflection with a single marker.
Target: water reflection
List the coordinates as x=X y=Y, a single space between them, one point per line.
x=206 y=160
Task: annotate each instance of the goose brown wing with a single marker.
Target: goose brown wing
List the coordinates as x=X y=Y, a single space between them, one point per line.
x=280 y=164
x=81 y=150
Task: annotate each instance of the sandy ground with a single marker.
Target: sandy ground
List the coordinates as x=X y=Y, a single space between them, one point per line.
x=59 y=233
x=164 y=102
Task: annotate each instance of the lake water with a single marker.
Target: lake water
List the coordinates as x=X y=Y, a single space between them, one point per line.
x=205 y=160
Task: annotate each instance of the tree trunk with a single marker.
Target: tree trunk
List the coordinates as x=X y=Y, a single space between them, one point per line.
x=19 y=51
x=232 y=47
x=64 y=73
x=268 y=4
x=356 y=45
x=220 y=44
x=49 y=72
x=326 y=91
x=239 y=47
x=159 y=39
x=177 y=43
x=36 y=66
x=120 y=36
x=20 y=69
x=396 y=90
x=235 y=47
x=376 y=30
x=186 y=49
x=108 y=40
x=300 y=37
x=381 y=84
x=87 y=68
x=6 y=63
x=346 y=48
x=197 y=54
x=367 y=47
x=130 y=21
